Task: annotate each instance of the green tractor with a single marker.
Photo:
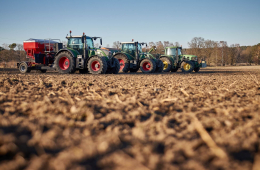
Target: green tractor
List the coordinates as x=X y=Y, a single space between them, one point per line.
x=81 y=55
x=187 y=63
x=131 y=58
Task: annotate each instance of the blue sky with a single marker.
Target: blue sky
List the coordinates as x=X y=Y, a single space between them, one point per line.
x=234 y=21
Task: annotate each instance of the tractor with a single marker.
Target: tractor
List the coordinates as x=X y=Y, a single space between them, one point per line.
x=79 y=54
x=187 y=63
x=131 y=58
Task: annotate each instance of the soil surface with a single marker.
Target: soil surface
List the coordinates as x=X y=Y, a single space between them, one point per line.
x=206 y=120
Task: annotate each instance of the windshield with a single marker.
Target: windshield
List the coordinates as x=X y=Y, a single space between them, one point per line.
x=130 y=48
x=179 y=51
x=171 y=51
x=75 y=43
x=90 y=42
x=140 y=48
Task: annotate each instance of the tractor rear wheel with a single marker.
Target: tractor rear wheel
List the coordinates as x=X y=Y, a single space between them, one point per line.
x=175 y=69
x=116 y=68
x=123 y=61
x=23 y=68
x=97 y=65
x=65 y=63
x=148 y=66
x=167 y=64
x=187 y=66
x=197 y=69
x=159 y=66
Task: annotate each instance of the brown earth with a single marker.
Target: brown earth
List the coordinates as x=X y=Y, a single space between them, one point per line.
x=205 y=120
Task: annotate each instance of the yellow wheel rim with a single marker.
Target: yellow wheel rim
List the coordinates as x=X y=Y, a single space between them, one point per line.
x=165 y=65
x=186 y=66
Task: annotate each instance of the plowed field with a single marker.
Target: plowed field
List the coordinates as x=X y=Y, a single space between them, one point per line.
x=206 y=120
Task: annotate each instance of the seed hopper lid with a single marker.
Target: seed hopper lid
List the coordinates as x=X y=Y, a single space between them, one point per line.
x=41 y=41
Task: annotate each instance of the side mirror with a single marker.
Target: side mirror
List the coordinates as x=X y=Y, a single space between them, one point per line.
x=100 y=41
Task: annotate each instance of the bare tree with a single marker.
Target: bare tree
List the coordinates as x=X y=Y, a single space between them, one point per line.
x=20 y=52
x=208 y=48
x=159 y=47
x=5 y=46
x=196 y=45
x=177 y=44
x=64 y=43
x=166 y=44
x=116 y=44
x=96 y=45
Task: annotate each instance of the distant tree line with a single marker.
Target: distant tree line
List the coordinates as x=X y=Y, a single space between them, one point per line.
x=12 y=52
x=214 y=52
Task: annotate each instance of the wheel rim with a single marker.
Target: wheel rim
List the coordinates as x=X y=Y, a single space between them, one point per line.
x=146 y=66
x=95 y=65
x=64 y=63
x=165 y=65
x=122 y=64
x=23 y=68
x=186 y=66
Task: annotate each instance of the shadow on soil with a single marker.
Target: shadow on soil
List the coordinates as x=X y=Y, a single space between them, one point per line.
x=202 y=72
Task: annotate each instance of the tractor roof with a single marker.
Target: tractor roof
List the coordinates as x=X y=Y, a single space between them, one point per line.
x=76 y=36
x=173 y=47
x=127 y=42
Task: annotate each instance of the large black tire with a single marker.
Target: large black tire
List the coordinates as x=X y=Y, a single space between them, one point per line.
x=174 y=69
x=116 y=68
x=124 y=62
x=23 y=68
x=97 y=65
x=159 y=66
x=187 y=66
x=148 y=66
x=197 y=69
x=167 y=64
x=65 y=63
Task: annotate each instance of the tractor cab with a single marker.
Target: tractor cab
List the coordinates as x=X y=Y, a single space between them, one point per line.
x=173 y=51
x=79 y=43
x=130 y=48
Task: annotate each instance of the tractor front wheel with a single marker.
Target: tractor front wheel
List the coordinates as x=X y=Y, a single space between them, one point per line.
x=23 y=68
x=123 y=61
x=116 y=68
x=65 y=63
x=159 y=66
x=187 y=66
x=147 y=66
x=97 y=65
x=167 y=64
